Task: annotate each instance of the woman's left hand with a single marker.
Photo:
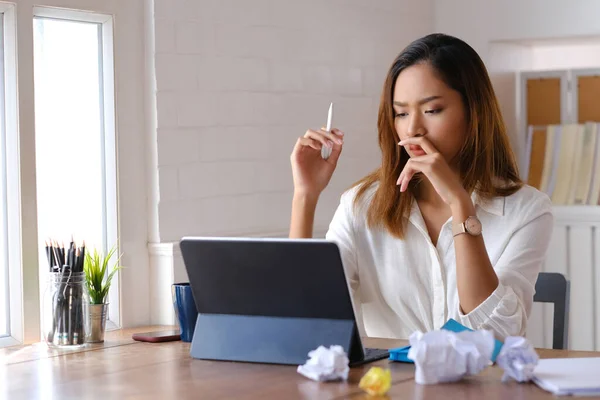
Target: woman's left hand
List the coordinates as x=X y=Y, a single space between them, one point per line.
x=433 y=165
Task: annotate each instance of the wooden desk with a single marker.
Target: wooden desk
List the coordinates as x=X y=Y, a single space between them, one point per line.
x=123 y=368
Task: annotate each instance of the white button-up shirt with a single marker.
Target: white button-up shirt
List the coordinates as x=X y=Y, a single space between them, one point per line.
x=400 y=286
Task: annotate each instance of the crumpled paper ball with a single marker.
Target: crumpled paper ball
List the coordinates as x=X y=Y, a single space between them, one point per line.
x=518 y=359
x=445 y=356
x=326 y=364
x=376 y=382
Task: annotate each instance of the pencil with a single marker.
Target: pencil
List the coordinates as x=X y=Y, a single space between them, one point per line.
x=325 y=150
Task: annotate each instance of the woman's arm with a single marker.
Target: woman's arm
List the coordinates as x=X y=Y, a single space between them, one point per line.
x=311 y=173
x=475 y=276
x=303 y=215
x=507 y=309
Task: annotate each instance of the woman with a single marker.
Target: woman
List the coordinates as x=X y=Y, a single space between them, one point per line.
x=410 y=234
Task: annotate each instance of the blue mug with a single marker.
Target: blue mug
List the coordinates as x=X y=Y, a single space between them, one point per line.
x=185 y=309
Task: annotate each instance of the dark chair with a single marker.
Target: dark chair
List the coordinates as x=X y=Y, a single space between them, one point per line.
x=552 y=287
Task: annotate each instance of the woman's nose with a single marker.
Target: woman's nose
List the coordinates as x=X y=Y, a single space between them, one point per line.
x=415 y=127
x=416 y=131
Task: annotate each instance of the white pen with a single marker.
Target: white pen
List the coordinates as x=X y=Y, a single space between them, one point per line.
x=325 y=150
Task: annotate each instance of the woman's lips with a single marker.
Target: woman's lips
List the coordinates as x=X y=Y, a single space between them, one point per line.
x=416 y=150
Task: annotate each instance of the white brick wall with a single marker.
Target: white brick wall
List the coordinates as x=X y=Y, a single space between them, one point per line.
x=238 y=81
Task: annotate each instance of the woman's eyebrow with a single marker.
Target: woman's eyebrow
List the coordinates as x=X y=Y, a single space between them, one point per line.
x=421 y=102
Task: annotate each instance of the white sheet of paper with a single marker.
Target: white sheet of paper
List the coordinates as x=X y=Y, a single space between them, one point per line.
x=569 y=376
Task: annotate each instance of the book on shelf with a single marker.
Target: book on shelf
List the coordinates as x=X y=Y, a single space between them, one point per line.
x=564 y=162
x=536 y=147
x=578 y=138
x=584 y=172
x=594 y=193
x=550 y=157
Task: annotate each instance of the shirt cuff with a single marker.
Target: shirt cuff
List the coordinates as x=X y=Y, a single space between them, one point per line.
x=482 y=313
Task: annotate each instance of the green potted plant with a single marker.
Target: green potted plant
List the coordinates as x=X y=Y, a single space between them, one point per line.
x=98 y=280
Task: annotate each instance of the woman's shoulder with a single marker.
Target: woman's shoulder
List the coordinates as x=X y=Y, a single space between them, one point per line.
x=529 y=201
x=351 y=198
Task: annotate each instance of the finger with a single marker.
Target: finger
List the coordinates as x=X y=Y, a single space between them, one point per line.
x=406 y=180
x=410 y=169
x=336 y=151
x=308 y=142
x=419 y=141
x=405 y=176
x=405 y=170
x=332 y=136
x=337 y=131
x=318 y=136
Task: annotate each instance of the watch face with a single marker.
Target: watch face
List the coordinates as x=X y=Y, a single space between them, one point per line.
x=473 y=226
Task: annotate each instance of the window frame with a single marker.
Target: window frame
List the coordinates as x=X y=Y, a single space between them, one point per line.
x=8 y=93
x=4 y=291
x=108 y=131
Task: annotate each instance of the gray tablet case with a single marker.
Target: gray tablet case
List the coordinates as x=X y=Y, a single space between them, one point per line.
x=270 y=300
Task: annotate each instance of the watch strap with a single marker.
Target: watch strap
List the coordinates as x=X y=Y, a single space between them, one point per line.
x=458 y=229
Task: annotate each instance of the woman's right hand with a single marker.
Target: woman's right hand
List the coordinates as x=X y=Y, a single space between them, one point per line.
x=310 y=171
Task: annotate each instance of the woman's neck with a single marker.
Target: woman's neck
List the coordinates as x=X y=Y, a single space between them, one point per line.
x=426 y=193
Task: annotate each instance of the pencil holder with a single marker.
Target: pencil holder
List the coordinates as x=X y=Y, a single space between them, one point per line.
x=64 y=309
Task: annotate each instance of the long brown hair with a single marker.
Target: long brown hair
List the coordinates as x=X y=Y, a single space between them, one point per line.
x=486 y=162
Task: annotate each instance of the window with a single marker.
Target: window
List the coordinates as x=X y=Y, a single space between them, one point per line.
x=75 y=148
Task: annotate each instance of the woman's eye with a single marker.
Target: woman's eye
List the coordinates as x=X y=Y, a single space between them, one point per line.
x=435 y=111
x=401 y=115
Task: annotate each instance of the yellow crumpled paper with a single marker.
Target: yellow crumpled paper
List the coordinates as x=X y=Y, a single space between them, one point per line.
x=376 y=381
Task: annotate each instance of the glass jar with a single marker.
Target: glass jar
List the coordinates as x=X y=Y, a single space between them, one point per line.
x=64 y=309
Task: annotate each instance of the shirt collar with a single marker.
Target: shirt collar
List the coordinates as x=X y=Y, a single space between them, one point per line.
x=493 y=206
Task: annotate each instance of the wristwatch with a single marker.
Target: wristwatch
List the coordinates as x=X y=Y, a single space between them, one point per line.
x=472 y=226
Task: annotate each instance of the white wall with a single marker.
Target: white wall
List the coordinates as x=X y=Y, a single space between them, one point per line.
x=480 y=22
x=566 y=56
x=238 y=82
